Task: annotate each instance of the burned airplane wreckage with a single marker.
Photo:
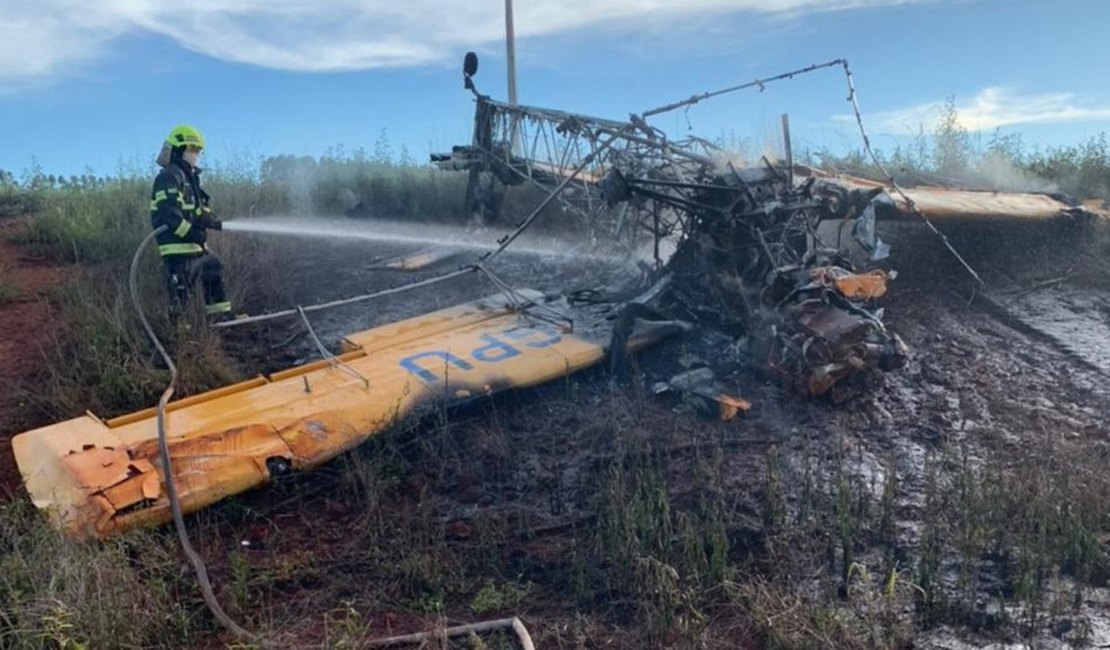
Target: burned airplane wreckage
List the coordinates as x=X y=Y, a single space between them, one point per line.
x=748 y=252
x=747 y=255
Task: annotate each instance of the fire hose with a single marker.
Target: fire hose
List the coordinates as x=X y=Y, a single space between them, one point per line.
x=195 y=559
x=197 y=562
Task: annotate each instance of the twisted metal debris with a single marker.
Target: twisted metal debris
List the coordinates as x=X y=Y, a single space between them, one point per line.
x=748 y=255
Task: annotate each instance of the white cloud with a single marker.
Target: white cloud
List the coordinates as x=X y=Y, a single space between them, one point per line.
x=43 y=38
x=991 y=108
x=37 y=40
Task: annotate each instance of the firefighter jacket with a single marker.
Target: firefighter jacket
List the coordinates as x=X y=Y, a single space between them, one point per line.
x=178 y=203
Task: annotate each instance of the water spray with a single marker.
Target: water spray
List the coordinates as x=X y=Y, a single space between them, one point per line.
x=400 y=233
x=479 y=265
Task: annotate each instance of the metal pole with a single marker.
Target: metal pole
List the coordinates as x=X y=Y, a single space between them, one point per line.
x=510 y=50
x=510 y=58
x=787 y=149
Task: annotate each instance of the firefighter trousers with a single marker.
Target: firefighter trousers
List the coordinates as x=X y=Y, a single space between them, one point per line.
x=185 y=271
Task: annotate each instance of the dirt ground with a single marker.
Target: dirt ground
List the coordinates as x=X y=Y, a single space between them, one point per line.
x=25 y=312
x=994 y=370
x=1013 y=367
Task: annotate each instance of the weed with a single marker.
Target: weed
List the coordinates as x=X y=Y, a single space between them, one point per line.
x=431 y=602
x=58 y=628
x=932 y=550
x=240 y=569
x=774 y=510
x=494 y=597
x=100 y=359
x=55 y=592
x=9 y=293
x=847 y=526
x=887 y=534
x=94 y=224
x=661 y=557
x=346 y=627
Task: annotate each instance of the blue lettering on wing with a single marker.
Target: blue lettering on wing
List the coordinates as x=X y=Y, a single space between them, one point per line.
x=495 y=350
x=427 y=376
x=550 y=335
x=492 y=350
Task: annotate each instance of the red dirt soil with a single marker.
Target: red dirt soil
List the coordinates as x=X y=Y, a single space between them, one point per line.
x=28 y=324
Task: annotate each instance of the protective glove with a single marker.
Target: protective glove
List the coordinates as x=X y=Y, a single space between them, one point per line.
x=206 y=220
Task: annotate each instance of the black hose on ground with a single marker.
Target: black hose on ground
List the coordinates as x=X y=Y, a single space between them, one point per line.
x=164 y=454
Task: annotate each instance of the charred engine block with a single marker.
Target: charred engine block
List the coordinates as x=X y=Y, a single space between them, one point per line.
x=750 y=261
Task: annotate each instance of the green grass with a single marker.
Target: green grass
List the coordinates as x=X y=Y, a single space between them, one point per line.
x=100 y=358
x=496 y=597
x=58 y=593
x=9 y=293
x=89 y=225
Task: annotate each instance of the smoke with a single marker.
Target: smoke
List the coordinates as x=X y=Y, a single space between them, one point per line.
x=344 y=183
x=725 y=158
x=999 y=173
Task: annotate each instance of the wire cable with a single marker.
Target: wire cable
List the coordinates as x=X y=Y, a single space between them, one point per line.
x=332 y=360
x=853 y=98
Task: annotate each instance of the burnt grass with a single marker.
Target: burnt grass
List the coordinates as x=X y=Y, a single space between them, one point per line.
x=961 y=497
x=959 y=500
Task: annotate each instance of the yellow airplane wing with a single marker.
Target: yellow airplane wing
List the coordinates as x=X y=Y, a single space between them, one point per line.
x=97 y=477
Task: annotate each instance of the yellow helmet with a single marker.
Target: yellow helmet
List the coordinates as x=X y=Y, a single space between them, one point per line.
x=184 y=135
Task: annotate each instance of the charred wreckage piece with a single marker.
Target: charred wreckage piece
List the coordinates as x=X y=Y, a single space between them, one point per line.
x=751 y=262
x=748 y=257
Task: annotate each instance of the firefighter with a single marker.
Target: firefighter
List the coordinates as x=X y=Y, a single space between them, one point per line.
x=179 y=204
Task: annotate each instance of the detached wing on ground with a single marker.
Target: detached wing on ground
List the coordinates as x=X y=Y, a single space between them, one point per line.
x=99 y=477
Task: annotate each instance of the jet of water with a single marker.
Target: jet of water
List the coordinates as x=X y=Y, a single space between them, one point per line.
x=408 y=233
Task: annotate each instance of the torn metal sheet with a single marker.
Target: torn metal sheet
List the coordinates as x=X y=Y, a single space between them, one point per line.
x=853 y=285
x=98 y=478
x=701 y=387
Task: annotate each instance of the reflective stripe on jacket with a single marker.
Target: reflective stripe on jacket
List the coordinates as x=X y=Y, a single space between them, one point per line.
x=177 y=202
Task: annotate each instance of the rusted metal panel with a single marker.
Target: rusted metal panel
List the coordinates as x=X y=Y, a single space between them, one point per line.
x=853 y=285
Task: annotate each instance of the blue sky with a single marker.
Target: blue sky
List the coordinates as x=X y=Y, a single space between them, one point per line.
x=98 y=88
